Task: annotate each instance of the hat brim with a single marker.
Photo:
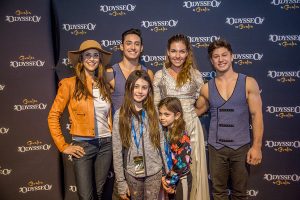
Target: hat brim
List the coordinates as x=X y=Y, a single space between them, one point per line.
x=74 y=56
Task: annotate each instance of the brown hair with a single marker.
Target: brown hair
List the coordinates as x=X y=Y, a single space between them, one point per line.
x=128 y=110
x=185 y=74
x=218 y=44
x=173 y=105
x=81 y=89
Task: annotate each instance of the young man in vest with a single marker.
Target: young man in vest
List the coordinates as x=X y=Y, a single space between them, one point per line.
x=233 y=100
x=131 y=47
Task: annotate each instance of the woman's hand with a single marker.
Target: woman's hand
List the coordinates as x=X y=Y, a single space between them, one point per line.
x=168 y=189
x=74 y=150
x=125 y=196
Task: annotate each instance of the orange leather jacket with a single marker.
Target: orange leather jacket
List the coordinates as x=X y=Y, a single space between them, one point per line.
x=81 y=113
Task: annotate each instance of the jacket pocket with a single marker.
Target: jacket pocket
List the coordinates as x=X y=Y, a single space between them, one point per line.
x=81 y=117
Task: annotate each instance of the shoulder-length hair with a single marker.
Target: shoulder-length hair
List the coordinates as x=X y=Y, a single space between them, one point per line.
x=178 y=128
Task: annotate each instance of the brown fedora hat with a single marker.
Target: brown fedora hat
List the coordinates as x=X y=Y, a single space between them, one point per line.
x=89 y=44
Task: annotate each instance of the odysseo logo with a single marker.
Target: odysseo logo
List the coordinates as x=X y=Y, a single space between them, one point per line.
x=79 y=29
x=65 y=61
x=27 y=61
x=246 y=58
x=68 y=126
x=283 y=112
x=33 y=186
x=285 y=40
x=282 y=146
x=208 y=75
x=70 y=158
x=252 y=192
x=201 y=6
x=284 y=76
x=4 y=130
x=286 y=4
x=34 y=146
x=2 y=86
x=30 y=104
x=4 y=171
x=280 y=179
x=244 y=23
x=202 y=42
x=156 y=61
x=159 y=26
x=23 y=16
x=113 y=45
x=72 y=188
x=117 y=10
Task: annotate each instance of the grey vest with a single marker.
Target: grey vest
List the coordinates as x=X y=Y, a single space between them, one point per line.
x=117 y=95
x=229 y=124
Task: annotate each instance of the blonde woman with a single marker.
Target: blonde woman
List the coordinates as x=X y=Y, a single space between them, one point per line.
x=180 y=78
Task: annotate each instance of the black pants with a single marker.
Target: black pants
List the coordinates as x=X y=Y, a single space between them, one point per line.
x=229 y=165
x=183 y=184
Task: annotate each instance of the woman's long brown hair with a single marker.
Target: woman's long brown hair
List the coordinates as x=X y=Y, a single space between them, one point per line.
x=128 y=110
x=173 y=105
x=81 y=89
x=185 y=74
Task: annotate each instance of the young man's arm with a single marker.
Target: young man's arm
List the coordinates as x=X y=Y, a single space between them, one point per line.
x=109 y=75
x=202 y=103
x=254 y=155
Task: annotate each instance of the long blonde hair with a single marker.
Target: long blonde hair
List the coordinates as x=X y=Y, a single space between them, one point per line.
x=81 y=89
x=128 y=110
x=185 y=74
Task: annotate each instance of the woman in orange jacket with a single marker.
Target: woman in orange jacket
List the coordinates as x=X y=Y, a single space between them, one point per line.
x=89 y=104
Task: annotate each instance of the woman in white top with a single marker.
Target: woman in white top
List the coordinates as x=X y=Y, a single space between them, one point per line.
x=180 y=78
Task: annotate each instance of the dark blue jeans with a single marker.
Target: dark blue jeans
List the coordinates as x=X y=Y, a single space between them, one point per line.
x=91 y=170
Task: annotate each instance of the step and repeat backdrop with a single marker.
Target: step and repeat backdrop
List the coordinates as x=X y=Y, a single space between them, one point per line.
x=35 y=36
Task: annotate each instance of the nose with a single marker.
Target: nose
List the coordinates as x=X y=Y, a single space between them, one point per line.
x=140 y=90
x=221 y=58
x=132 y=46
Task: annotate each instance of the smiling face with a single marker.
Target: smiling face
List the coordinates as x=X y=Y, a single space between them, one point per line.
x=132 y=47
x=221 y=59
x=177 y=53
x=140 y=91
x=90 y=60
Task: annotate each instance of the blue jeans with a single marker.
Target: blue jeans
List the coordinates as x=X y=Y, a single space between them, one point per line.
x=91 y=170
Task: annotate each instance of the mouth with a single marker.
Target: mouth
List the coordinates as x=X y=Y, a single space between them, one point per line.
x=177 y=61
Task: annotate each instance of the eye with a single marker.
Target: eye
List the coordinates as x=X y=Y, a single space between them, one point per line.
x=87 y=55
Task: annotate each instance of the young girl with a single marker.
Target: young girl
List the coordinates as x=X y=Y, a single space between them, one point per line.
x=136 y=141
x=89 y=104
x=178 y=180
